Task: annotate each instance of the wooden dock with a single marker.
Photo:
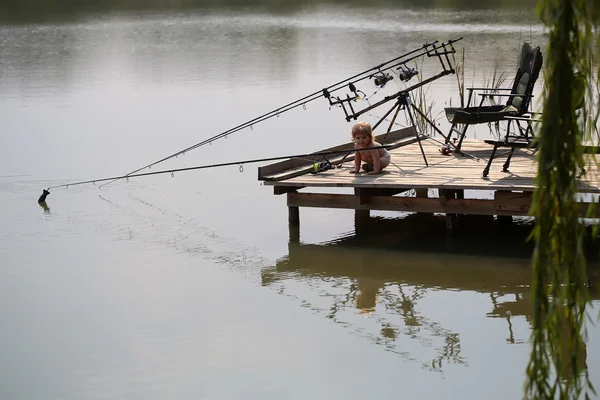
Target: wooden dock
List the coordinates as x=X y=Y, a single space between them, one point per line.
x=498 y=194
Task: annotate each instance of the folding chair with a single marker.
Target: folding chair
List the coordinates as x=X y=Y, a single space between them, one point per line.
x=520 y=141
x=514 y=111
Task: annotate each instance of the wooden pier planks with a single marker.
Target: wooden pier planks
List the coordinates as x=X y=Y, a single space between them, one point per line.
x=457 y=172
x=299 y=166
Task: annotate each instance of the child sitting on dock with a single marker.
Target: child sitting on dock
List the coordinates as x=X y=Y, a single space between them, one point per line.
x=374 y=160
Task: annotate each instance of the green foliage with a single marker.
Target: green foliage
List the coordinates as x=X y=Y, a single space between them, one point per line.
x=557 y=364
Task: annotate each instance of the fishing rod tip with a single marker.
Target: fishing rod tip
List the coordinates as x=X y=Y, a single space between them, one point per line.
x=45 y=194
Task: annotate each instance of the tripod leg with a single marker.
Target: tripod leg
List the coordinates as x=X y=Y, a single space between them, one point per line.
x=392 y=122
x=446 y=138
x=398 y=104
x=412 y=121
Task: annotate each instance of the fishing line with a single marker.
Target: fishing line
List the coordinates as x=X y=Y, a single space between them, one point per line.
x=428 y=49
x=46 y=192
x=424 y=50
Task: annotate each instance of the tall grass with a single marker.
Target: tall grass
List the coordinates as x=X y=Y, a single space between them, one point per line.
x=460 y=76
x=421 y=99
x=494 y=82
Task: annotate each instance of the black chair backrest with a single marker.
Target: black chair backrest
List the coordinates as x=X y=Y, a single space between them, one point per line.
x=530 y=64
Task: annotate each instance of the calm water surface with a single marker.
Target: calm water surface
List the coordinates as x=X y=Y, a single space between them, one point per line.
x=186 y=287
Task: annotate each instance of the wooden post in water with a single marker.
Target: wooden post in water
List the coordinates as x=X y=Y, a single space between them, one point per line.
x=361 y=217
x=293 y=221
x=294 y=215
x=361 y=221
x=498 y=196
x=421 y=193
x=460 y=194
x=451 y=220
x=294 y=233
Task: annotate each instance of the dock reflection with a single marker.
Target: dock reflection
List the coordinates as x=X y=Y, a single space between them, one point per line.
x=402 y=288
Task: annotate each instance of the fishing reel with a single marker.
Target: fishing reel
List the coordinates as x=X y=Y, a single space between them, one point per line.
x=321 y=166
x=446 y=150
x=381 y=79
x=406 y=73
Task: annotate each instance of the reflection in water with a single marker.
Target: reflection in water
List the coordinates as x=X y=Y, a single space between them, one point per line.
x=45 y=207
x=382 y=286
x=506 y=309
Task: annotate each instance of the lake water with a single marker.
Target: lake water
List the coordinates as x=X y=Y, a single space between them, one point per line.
x=187 y=287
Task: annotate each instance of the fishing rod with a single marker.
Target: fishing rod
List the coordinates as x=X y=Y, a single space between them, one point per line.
x=46 y=192
x=378 y=72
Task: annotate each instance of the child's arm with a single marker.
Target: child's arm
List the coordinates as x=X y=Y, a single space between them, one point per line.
x=356 y=163
x=376 y=163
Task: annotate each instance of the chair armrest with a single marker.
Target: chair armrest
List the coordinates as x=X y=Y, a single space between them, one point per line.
x=504 y=95
x=513 y=144
x=487 y=88
x=484 y=95
x=530 y=115
x=524 y=119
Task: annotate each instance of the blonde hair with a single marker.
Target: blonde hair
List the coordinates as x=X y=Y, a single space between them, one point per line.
x=362 y=127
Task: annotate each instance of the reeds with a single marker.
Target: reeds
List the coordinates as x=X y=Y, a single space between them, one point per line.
x=494 y=81
x=422 y=101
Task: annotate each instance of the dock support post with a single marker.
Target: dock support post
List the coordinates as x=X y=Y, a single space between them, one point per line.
x=294 y=215
x=460 y=194
x=451 y=219
x=421 y=193
x=361 y=221
x=503 y=220
x=294 y=222
x=361 y=217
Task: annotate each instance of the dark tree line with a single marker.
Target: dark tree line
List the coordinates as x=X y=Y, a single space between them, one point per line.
x=18 y=11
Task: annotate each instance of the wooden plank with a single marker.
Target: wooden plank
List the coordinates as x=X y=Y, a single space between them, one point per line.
x=515 y=183
x=513 y=202
x=268 y=170
x=308 y=166
x=517 y=205
x=277 y=190
x=412 y=184
x=409 y=204
x=453 y=172
x=383 y=191
x=390 y=181
x=363 y=194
